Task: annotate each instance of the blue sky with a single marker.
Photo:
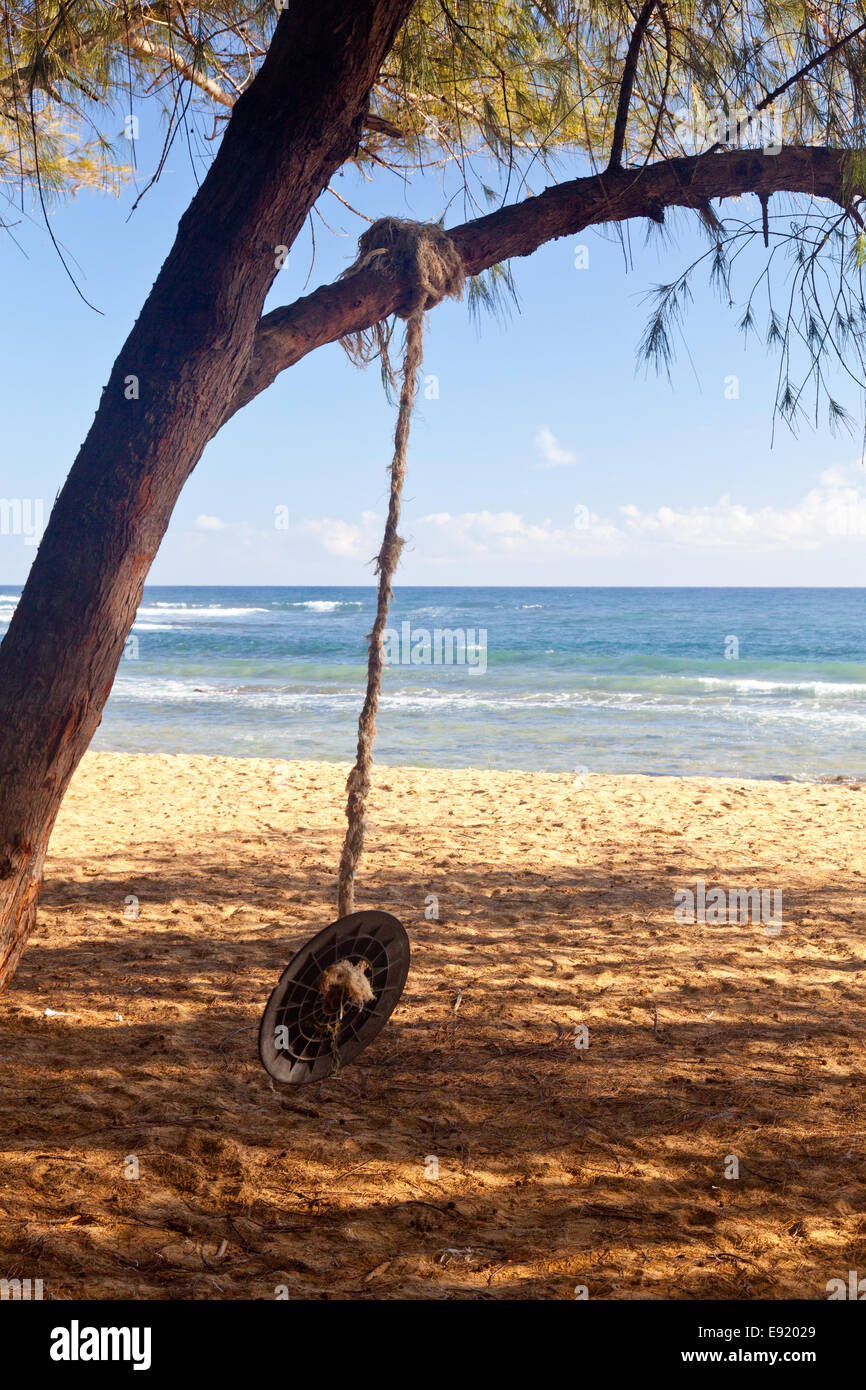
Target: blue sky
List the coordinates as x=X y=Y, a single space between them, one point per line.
x=540 y=455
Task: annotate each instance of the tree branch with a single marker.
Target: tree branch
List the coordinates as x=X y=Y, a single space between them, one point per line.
x=820 y=58
x=377 y=125
x=625 y=90
x=380 y=125
x=351 y=305
x=802 y=72
x=139 y=44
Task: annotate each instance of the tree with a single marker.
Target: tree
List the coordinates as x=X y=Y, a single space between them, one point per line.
x=70 y=72
x=299 y=120
x=670 y=106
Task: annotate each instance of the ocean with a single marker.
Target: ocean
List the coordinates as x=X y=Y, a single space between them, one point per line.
x=705 y=682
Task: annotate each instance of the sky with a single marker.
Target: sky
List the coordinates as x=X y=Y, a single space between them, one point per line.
x=541 y=452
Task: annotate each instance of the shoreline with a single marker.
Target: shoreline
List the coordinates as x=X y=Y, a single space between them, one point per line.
x=855 y=781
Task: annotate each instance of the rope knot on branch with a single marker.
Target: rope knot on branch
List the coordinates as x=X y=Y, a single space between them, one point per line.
x=420 y=255
x=422 y=260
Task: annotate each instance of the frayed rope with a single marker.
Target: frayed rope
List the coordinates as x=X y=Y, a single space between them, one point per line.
x=423 y=256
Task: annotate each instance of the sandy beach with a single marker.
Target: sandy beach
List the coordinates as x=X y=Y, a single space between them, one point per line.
x=474 y=1150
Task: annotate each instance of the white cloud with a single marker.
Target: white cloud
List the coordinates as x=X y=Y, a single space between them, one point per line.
x=551 y=453
x=834 y=475
x=825 y=515
x=508 y=533
x=816 y=538
x=828 y=516
x=338 y=537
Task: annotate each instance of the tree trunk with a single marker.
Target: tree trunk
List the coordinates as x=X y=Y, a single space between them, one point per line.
x=168 y=391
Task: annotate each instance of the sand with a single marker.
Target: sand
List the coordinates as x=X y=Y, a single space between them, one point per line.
x=473 y=1151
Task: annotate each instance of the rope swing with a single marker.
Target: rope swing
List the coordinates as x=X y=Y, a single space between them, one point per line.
x=339 y=990
x=424 y=256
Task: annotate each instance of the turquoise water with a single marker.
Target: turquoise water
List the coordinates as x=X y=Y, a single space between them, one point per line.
x=610 y=680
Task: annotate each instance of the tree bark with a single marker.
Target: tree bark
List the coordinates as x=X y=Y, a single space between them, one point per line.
x=167 y=393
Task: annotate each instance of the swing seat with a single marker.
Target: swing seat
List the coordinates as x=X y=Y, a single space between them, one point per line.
x=308 y=1031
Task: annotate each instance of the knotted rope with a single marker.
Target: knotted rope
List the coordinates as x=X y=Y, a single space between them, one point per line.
x=423 y=256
